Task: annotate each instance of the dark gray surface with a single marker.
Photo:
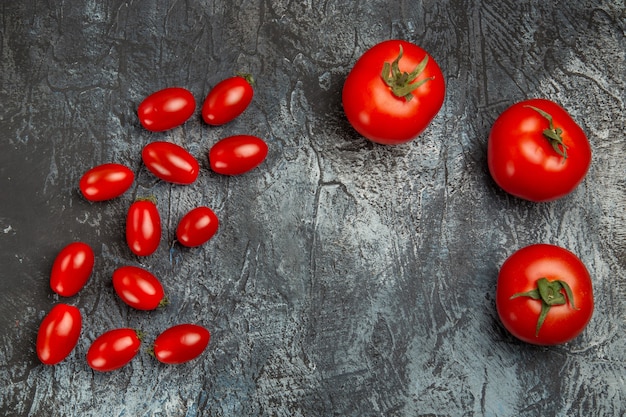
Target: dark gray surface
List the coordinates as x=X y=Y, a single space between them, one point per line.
x=347 y=279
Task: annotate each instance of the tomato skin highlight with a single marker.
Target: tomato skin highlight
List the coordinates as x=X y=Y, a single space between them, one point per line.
x=181 y=343
x=236 y=155
x=197 y=227
x=375 y=111
x=138 y=288
x=113 y=349
x=143 y=227
x=170 y=162
x=227 y=100
x=58 y=333
x=166 y=109
x=71 y=269
x=106 y=181
x=519 y=315
x=521 y=159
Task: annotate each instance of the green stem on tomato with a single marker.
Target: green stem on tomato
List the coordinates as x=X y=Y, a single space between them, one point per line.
x=550 y=293
x=552 y=134
x=403 y=84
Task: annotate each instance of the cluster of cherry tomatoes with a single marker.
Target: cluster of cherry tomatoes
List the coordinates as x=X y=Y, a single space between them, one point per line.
x=60 y=329
x=536 y=151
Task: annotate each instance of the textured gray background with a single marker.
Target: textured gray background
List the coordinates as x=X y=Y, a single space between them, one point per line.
x=347 y=278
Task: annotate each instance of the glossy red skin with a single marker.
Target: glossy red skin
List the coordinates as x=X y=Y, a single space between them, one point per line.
x=143 y=227
x=519 y=274
x=71 y=269
x=58 y=333
x=138 y=288
x=113 y=349
x=181 y=343
x=236 y=155
x=378 y=114
x=170 y=162
x=166 y=109
x=197 y=227
x=227 y=100
x=106 y=181
x=522 y=161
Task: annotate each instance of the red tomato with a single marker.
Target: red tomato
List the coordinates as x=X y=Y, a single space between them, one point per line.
x=71 y=269
x=537 y=152
x=170 y=162
x=106 y=181
x=138 y=288
x=197 y=227
x=544 y=295
x=113 y=349
x=58 y=333
x=166 y=109
x=236 y=155
x=227 y=100
x=181 y=343
x=393 y=92
x=143 y=227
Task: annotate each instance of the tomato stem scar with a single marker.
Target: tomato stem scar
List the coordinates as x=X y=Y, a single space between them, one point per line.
x=552 y=134
x=550 y=293
x=403 y=84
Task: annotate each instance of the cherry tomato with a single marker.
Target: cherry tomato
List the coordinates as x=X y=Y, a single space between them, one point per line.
x=71 y=269
x=537 y=152
x=236 y=155
x=113 y=349
x=138 y=288
x=106 y=181
x=544 y=295
x=170 y=162
x=227 y=100
x=143 y=227
x=197 y=227
x=58 y=333
x=181 y=343
x=166 y=109
x=393 y=92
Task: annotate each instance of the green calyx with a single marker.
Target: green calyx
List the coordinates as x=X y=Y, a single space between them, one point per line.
x=551 y=294
x=402 y=84
x=552 y=134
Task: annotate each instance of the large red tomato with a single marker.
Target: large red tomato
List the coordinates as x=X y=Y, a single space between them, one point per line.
x=71 y=269
x=143 y=227
x=166 y=109
x=393 y=92
x=170 y=162
x=181 y=343
x=544 y=295
x=106 y=181
x=227 y=100
x=113 y=349
x=58 y=333
x=537 y=152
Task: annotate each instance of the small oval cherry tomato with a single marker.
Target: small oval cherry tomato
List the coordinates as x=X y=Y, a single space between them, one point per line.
x=143 y=227
x=113 y=349
x=138 y=288
x=393 y=92
x=544 y=295
x=106 y=181
x=227 y=100
x=181 y=343
x=537 y=152
x=238 y=154
x=71 y=269
x=170 y=162
x=166 y=109
x=58 y=333
x=197 y=227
